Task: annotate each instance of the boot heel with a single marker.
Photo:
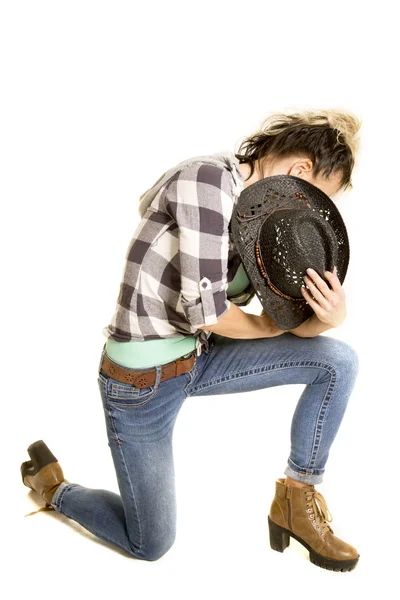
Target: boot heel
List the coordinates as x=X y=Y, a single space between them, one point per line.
x=41 y=456
x=279 y=538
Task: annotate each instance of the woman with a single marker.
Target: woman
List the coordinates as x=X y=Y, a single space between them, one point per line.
x=178 y=331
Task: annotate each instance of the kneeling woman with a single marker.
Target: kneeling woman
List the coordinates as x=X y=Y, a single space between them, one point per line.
x=215 y=231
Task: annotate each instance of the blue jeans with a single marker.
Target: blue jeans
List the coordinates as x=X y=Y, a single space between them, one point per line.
x=140 y=423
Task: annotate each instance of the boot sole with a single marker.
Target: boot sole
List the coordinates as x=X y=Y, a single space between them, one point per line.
x=279 y=538
x=41 y=456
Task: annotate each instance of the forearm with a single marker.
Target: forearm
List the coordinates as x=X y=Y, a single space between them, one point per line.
x=236 y=323
x=310 y=328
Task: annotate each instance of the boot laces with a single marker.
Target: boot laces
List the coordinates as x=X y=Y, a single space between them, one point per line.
x=319 y=511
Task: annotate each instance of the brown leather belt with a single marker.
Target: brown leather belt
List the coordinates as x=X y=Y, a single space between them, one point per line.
x=147 y=377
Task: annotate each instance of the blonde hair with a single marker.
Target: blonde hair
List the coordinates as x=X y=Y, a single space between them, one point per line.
x=329 y=137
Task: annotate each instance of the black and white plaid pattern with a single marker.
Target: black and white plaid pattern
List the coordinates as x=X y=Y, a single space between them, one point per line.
x=181 y=259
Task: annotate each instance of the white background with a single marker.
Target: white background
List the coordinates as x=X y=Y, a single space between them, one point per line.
x=98 y=99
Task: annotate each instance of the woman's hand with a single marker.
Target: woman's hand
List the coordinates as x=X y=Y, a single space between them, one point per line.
x=328 y=305
x=271 y=328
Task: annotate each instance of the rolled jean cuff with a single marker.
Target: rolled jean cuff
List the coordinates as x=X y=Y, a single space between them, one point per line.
x=59 y=493
x=311 y=476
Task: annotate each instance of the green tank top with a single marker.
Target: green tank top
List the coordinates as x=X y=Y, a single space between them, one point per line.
x=143 y=355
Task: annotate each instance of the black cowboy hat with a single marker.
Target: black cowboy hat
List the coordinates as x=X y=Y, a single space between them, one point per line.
x=281 y=225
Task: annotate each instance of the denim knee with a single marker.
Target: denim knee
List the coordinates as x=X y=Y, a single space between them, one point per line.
x=343 y=356
x=155 y=550
x=351 y=358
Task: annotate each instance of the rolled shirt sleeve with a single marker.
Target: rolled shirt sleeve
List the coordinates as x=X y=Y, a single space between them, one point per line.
x=200 y=200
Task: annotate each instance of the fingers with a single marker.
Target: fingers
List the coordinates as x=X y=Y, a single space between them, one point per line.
x=314 y=305
x=320 y=293
x=334 y=280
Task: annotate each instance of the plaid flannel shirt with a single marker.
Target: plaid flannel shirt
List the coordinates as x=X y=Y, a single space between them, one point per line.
x=181 y=259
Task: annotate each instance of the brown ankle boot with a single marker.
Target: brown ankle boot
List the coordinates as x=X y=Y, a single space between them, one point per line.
x=42 y=473
x=302 y=513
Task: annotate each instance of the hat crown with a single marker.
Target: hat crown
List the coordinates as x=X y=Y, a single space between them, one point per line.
x=290 y=241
